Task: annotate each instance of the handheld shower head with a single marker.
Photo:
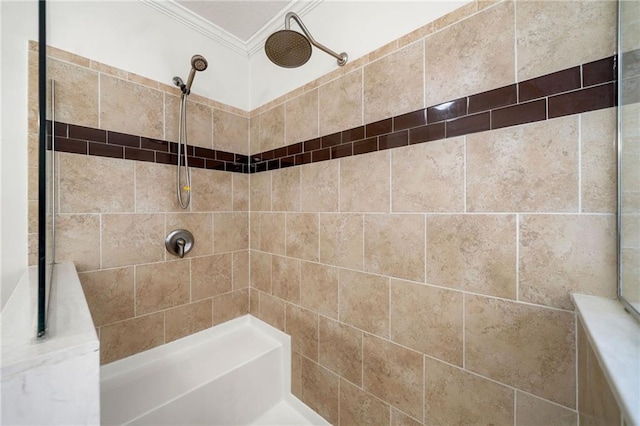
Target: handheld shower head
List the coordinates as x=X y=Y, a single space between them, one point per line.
x=290 y=49
x=198 y=63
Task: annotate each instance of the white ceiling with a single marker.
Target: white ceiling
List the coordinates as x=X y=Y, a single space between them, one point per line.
x=242 y=25
x=241 y=18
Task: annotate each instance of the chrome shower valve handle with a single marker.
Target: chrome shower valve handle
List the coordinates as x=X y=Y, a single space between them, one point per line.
x=179 y=242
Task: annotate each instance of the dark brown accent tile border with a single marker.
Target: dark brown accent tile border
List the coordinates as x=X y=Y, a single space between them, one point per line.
x=104 y=143
x=166 y=158
x=468 y=124
x=409 y=120
x=114 y=138
x=364 y=146
x=519 y=114
x=379 y=128
x=87 y=133
x=503 y=96
x=103 y=150
x=557 y=82
x=575 y=90
x=139 y=155
x=447 y=110
x=430 y=132
x=331 y=140
x=572 y=91
x=584 y=100
x=599 y=72
x=303 y=158
x=73 y=146
x=296 y=148
x=345 y=150
x=351 y=135
x=393 y=140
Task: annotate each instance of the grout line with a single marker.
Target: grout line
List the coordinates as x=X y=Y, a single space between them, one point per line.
x=426 y=257
x=434 y=213
x=99 y=102
x=135 y=291
x=232 y=271
x=580 y=163
x=284 y=121
x=361 y=357
x=270 y=191
x=318 y=115
x=424 y=388
x=135 y=187
x=424 y=73
x=340 y=161
x=286 y=214
x=101 y=265
x=232 y=190
x=318 y=315
x=164 y=115
x=390 y=165
x=362 y=103
x=515 y=44
x=191 y=280
x=577 y=373
x=515 y=407
x=364 y=266
x=319 y=233
x=339 y=396
x=518 y=257
x=389 y=308
x=464 y=330
x=164 y=327
x=464 y=179
x=489 y=296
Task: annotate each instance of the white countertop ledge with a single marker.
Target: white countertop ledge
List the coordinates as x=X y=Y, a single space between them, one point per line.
x=70 y=329
x=615 y=337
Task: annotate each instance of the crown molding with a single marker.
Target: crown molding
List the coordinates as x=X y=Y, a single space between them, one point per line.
x=255 y=43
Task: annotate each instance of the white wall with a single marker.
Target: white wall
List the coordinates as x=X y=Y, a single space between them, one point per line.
x=135 y=37
x=18 y=23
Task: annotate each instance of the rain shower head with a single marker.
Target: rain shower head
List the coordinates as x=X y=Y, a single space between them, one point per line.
x=198 y=63
x=290 y=49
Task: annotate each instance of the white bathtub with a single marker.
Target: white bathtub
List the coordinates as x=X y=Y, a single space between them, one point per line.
x=237 y=373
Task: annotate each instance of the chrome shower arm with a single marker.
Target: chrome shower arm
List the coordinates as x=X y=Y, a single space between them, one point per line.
x=341 y=57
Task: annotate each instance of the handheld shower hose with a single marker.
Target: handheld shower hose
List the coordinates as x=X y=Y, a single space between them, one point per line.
x=198 y=63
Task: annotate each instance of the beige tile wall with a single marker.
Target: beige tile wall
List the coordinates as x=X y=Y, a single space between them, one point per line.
x=140 y=295
x=596 y=403
x=485 y=292
x=423 y=285
x=113 y=215
x=434 y=279
x=481 y=46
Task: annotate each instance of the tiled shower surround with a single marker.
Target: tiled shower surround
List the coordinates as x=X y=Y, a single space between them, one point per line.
x=424 y=284
x=113 y=214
